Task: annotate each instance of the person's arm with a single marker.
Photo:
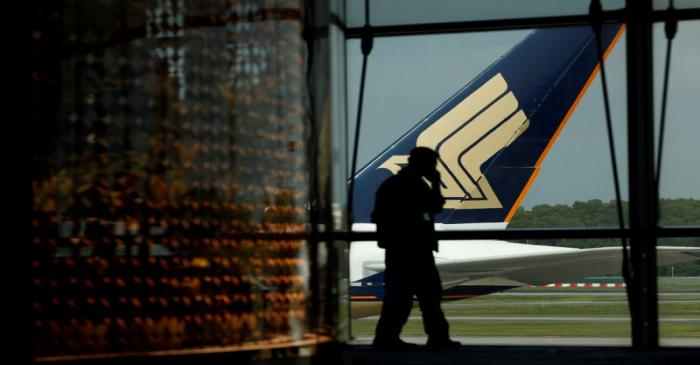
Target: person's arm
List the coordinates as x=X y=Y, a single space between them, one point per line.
x=385 y=202
x=378 y=211
x=436 y=198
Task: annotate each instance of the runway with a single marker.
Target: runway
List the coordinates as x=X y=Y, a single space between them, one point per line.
x=551 y=292
x=563 y=302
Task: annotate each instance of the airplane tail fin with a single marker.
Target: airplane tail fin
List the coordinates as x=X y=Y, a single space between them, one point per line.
x=494 y=133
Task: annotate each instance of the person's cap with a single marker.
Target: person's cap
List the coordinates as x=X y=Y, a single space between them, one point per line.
x=423 y=153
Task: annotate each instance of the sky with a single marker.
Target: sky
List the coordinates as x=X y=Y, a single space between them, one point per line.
x=408 y=77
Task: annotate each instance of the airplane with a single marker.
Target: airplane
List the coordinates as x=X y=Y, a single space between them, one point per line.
x=492 y=136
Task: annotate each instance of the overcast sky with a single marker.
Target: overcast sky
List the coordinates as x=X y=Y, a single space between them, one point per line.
x=408 y=77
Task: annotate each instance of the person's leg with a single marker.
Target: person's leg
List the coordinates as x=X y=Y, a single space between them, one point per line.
x=395 y=311
x=429 y=292
x=398 y=301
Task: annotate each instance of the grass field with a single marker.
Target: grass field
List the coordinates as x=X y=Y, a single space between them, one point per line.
x=580 y=303
x=415 y=328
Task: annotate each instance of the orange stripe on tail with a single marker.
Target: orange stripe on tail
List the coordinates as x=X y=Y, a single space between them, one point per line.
x=523 y=193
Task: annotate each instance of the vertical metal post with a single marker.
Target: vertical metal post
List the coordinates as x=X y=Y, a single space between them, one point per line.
x=643 y=199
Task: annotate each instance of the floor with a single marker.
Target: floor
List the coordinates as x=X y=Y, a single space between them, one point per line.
x=497 y=355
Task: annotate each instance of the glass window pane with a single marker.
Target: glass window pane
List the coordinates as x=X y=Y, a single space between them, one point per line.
x=678 y=4
x=679 y=291
x=680 y=177
x=575 y=302
x=408 y=78
x=408 y=81
x=393 y=12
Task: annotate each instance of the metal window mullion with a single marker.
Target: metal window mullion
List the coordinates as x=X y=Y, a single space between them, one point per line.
x=511 y=24
x=642 y=200
x=508 y=234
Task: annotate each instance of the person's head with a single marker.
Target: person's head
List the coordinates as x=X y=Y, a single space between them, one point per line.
x=423 y=160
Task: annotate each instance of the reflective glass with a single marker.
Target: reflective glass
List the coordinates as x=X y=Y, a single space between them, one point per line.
x=168 y=135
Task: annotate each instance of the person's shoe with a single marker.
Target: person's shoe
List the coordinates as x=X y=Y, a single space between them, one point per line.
x=445 y=344
x=393 y=345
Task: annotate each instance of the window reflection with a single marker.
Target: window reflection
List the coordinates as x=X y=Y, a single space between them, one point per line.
x=165 y=131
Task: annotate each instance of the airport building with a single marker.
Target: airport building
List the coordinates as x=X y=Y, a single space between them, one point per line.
x=191 y=164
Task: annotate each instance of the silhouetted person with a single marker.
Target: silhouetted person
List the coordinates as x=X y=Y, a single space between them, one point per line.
x=405 y=206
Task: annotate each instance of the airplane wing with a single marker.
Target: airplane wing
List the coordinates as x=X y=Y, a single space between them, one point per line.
x=503 y=266
x=552 y=267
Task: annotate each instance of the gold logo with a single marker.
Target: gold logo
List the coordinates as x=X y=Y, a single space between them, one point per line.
x=481 y=125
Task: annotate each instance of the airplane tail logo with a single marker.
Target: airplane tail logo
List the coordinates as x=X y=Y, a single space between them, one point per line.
x=467 y=136
x=494 y=133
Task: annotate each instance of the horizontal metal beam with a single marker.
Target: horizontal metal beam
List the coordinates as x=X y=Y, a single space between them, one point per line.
x=507 y=234
x=678 y=14
x=475 y=26
x=510 y=24
x=511 y=234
